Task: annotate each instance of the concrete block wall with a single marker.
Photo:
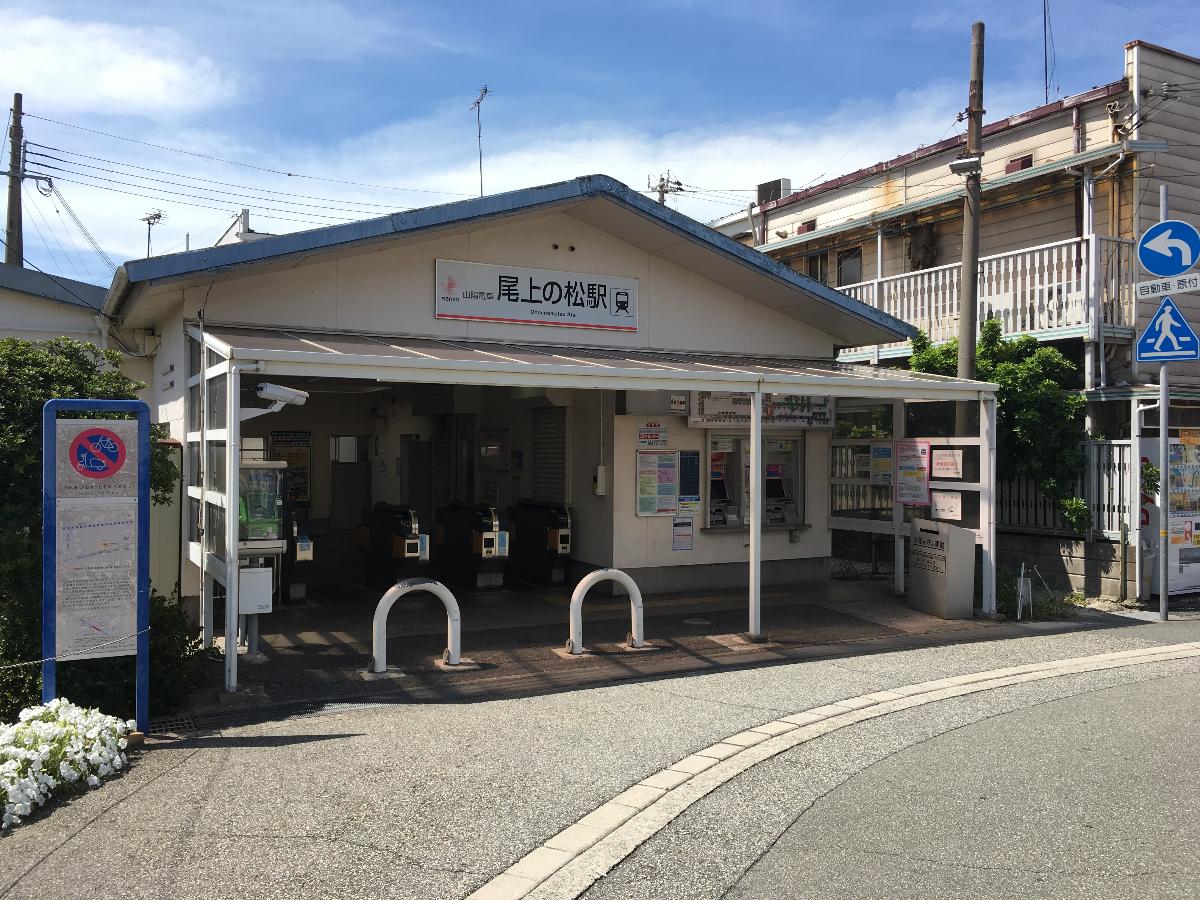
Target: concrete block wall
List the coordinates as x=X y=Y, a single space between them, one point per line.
x=1093 y=567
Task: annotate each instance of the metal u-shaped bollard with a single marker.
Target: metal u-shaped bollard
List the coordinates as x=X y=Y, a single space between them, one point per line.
x=636 y=635
x=453 y=654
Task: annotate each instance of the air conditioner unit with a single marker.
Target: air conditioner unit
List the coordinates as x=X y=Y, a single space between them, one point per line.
x=774 y=190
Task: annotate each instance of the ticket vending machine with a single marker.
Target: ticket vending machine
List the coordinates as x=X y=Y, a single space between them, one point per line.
x=1181 y=478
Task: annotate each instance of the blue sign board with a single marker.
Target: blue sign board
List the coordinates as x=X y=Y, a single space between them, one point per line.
x=1168 y=337
x=96 y=539
x=1169 y=248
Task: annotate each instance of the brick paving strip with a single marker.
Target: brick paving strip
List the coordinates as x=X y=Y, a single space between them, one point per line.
x=571 y=861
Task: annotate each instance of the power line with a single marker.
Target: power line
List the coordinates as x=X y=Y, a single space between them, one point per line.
x=245 y=165
x=245 y=187
x=45 y=243
x=82 y=229
x=65 y=287
x=204 y=196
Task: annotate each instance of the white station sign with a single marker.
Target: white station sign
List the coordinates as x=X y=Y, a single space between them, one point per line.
x=479 y=292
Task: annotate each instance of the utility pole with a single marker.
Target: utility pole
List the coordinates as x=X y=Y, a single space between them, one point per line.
x=151 y=219
x=969 y=283
x=14 y=239
x=478 y=106
x=664 y=186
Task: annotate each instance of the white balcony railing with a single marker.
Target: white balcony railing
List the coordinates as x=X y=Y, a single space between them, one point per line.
x=1033 y=291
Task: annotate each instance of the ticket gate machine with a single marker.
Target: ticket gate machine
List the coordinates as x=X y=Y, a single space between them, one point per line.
x=470 y=549
x=541 y=541
x=396 y=548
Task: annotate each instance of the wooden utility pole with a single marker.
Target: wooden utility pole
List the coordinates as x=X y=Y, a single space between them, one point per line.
x=969 y=283
x=14 y=240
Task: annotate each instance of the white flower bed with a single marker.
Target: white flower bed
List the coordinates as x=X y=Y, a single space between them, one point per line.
x=59 y=745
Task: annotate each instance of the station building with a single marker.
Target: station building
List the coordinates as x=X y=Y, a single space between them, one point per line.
x=540 y=383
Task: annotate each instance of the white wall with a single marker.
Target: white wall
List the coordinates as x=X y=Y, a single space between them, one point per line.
x=37 y=319
x=645 y=541
x=389 y=288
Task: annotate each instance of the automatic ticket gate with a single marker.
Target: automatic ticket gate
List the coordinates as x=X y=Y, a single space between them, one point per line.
x=470 y=548
x=541 y=541
x=396 y=548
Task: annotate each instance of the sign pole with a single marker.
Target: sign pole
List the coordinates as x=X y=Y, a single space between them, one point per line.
x=1164 y=494
x=1164 y=448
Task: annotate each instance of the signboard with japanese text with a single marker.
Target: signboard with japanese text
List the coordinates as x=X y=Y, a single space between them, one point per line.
x=652 y=433
x=946 y=505
x=657 y=482
x=881 y=463
x=95 y=556
x=1161 y=287
x=948 y=463
x=727 y=408
x=912 y=472
x=480 y=292
x=295 y=449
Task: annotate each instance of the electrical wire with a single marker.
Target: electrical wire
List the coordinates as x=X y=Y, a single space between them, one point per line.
x=65 y=287
x=284 y=218
x=245 y=165
x=243 y=187
x=83 y=229
x=58 y=264
x=205 y=196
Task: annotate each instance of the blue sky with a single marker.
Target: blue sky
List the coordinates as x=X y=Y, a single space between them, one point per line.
x=724 y=95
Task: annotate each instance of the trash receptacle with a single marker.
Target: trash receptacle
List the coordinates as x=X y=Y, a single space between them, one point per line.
x=941 y=569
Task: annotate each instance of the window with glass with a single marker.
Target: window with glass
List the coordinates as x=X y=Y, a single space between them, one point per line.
x=729 y=481
x=849 y=266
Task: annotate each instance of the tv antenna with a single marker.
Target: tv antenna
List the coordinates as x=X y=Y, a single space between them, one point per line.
x=152 y=218
x=478 y=106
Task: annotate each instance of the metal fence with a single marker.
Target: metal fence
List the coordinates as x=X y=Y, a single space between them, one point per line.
x=1104 y=485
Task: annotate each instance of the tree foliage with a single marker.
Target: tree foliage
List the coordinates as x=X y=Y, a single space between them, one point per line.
x=1040 y=423
x=32 y=372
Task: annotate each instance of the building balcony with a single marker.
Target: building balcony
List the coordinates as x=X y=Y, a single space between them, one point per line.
x=1082 y=288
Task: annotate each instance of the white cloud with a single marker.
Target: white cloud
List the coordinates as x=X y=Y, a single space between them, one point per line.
x=71 y=66
x=437 y=154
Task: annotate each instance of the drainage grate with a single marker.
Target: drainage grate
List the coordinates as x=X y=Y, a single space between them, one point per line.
x=172 y=724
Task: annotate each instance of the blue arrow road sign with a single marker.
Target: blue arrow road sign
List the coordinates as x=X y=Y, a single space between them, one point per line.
x=1168 y=337
x=1169 y=248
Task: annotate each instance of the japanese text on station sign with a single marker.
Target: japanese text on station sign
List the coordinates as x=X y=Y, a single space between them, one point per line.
x=523 y=296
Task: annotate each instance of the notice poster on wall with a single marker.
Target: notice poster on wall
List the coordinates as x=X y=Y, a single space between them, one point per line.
x=652 y=433
x=881 y=463
x=912 y=472
x=681 y=533
x=657 y=482
x=295 y=449
x=948 y=463
x=946 y=505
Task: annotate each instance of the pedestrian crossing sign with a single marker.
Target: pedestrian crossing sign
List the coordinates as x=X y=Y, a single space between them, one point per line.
x=1168 y=337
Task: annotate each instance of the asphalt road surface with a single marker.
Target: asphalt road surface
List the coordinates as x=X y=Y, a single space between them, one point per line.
x=1080 y=785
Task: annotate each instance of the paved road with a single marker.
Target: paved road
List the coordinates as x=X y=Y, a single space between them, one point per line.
x=433 y=800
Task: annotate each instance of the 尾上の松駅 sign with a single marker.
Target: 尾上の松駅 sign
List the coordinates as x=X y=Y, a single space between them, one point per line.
x=515 y=295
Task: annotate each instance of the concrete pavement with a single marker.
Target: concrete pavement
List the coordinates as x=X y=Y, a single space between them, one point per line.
x=436 y=799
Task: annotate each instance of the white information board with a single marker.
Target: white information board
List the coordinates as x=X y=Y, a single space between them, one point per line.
x=96 y=481
x=729 y=408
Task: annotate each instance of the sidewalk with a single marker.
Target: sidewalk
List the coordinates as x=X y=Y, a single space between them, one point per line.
x=434 y=799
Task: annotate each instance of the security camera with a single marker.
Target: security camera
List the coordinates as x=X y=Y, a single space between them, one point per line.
x=277 y=393
x=966 y=165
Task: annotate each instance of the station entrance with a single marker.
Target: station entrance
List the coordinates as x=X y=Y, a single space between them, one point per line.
x=508 y=472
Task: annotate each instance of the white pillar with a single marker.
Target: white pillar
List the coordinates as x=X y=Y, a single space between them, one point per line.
x=232 y=458
x=987 y=501
x=1135 y=494
x=756 y=491
x=898 y=508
